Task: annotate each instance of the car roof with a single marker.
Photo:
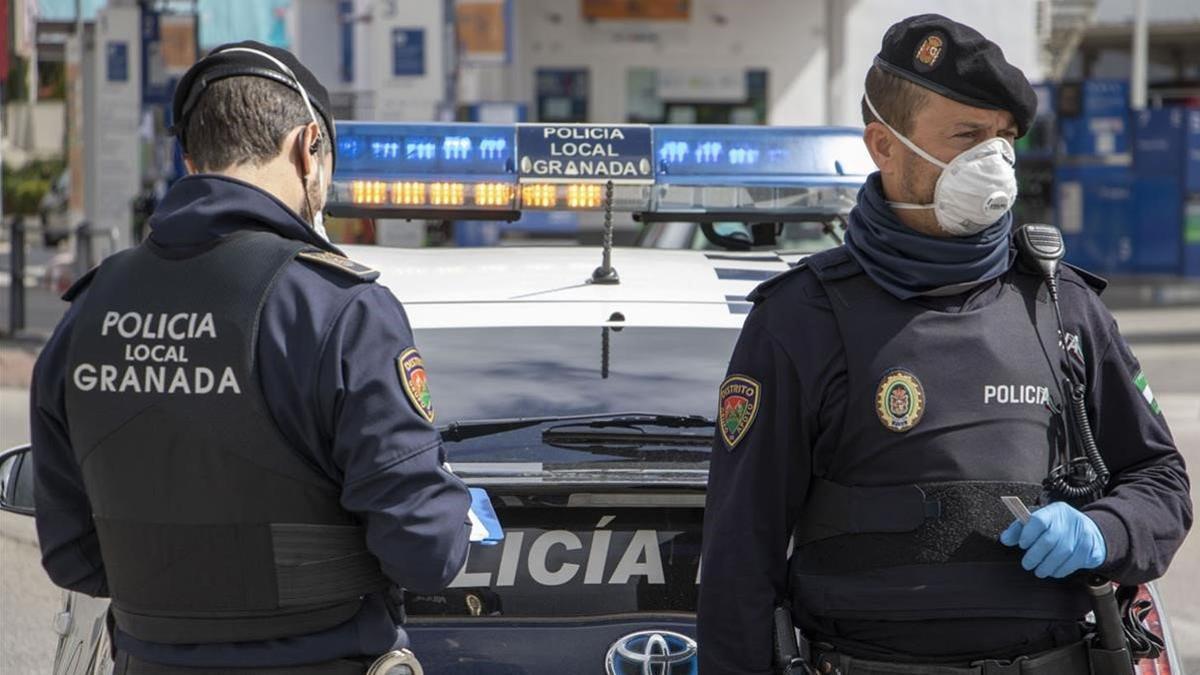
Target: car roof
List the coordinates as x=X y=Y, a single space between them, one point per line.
x=550 y=286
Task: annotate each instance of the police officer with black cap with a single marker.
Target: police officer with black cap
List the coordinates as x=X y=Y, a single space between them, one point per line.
x=232 y=428
x=884 y=395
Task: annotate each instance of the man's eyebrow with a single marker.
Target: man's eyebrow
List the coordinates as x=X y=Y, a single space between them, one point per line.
x=977 y=126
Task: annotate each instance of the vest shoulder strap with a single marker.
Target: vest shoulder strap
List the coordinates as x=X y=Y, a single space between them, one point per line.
x=834 y=264
x=1095 y=282
x=829 y=265
x=80 y=285
x=346 y=266
x=84 y=281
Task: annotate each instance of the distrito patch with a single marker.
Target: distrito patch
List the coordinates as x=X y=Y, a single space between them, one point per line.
x=411 y=368
x=930 y=52
x=900 y=400
x=740 y=396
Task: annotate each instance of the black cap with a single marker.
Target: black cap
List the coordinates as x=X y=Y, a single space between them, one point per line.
x=222 y=63
x=956 y=61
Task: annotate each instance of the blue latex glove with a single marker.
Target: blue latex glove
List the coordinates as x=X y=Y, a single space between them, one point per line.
x=1058 y=540
x=485 y=525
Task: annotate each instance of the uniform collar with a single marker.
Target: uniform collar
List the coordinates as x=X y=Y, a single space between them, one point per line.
x=202 y=207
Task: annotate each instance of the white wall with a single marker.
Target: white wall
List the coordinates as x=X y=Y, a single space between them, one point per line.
x=35 y=128
x=1157 y=12
x=112 y=113
x=1011 y=24
x=816 y=52
x=785 y=37
x=407 y=97
x=317 y=40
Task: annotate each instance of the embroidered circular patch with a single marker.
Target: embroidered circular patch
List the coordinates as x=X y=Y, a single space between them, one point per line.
x=739 y=406
x=929 y=53
x=900 y=400
x=411 y=368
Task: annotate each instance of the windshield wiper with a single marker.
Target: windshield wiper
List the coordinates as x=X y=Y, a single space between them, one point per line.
x=461 y=431
x=622 y=431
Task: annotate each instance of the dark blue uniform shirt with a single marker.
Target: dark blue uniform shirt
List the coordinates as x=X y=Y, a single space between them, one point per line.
x=791 y=345
x=326 y=351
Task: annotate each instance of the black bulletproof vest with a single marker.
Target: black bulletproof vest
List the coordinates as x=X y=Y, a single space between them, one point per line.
x=213 y=529
x=946 y=412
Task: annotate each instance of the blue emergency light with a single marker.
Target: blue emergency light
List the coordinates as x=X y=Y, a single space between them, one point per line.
x=714 y=173
x=742 y=155
x=699 y=173
x=411 y=170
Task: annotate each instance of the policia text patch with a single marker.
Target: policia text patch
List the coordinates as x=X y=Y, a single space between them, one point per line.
x=154 y=356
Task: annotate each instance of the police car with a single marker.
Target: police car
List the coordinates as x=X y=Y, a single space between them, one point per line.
x=578 y=385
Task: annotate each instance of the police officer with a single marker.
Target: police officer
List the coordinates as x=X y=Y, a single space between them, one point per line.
x=232 y=430
x=884 y=394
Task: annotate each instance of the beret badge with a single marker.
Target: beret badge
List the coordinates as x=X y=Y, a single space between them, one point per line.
x=929 y=52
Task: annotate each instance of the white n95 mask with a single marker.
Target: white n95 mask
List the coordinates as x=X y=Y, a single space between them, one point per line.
x=974 y=190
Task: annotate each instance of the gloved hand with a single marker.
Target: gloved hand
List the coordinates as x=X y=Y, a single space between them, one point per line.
x=1058 y=540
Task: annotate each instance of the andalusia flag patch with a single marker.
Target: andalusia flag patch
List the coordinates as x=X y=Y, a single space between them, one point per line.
x=1144 y=387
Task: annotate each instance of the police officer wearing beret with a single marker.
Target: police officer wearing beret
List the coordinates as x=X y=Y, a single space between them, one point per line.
x=232 y=431
x=885 y=394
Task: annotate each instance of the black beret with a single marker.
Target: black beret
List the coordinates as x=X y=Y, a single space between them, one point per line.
x=222 y=63
x=957 y=62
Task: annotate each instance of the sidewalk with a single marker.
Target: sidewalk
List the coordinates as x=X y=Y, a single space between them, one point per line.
x=1144 y=292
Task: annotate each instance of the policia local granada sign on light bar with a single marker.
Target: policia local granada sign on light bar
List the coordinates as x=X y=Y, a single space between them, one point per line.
x=585 y=153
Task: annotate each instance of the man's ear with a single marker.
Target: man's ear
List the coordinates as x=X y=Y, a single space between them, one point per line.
x=310 y=144
x=882 y=146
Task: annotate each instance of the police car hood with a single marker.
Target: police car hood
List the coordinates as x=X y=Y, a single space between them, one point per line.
x=551 y=286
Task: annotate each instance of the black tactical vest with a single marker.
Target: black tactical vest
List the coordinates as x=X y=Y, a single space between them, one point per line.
x=946 y=413
x=213 y=528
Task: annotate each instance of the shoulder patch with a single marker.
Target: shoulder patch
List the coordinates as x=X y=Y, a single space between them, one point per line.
x=80 y=284
x=740 y=397
x=411 y=368
x=340 y=263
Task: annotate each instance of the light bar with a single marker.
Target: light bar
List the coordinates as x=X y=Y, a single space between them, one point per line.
x=716 y=155
x=696 y=173
x=570 y=196
x=425 y=171
x=708 y=173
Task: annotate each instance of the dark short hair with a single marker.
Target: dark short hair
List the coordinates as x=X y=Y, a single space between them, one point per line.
x=244 y=120
x=897 y=99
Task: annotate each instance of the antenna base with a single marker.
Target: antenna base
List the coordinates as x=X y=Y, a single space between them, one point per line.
x=605 y=275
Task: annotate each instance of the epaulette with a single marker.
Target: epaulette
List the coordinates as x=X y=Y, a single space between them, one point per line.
x=80 y=284
x=340 y=263
x=1095 y=282
x=835 y=263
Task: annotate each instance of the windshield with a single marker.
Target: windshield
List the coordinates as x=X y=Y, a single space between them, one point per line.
x=501 y=373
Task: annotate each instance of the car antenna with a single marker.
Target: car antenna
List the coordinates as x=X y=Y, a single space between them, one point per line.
x=605 y=274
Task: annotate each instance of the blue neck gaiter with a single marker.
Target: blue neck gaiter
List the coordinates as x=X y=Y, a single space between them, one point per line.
x=906 y=263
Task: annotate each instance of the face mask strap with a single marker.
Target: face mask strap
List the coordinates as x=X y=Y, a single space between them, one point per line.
x=909 y=144
x=312 y=114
